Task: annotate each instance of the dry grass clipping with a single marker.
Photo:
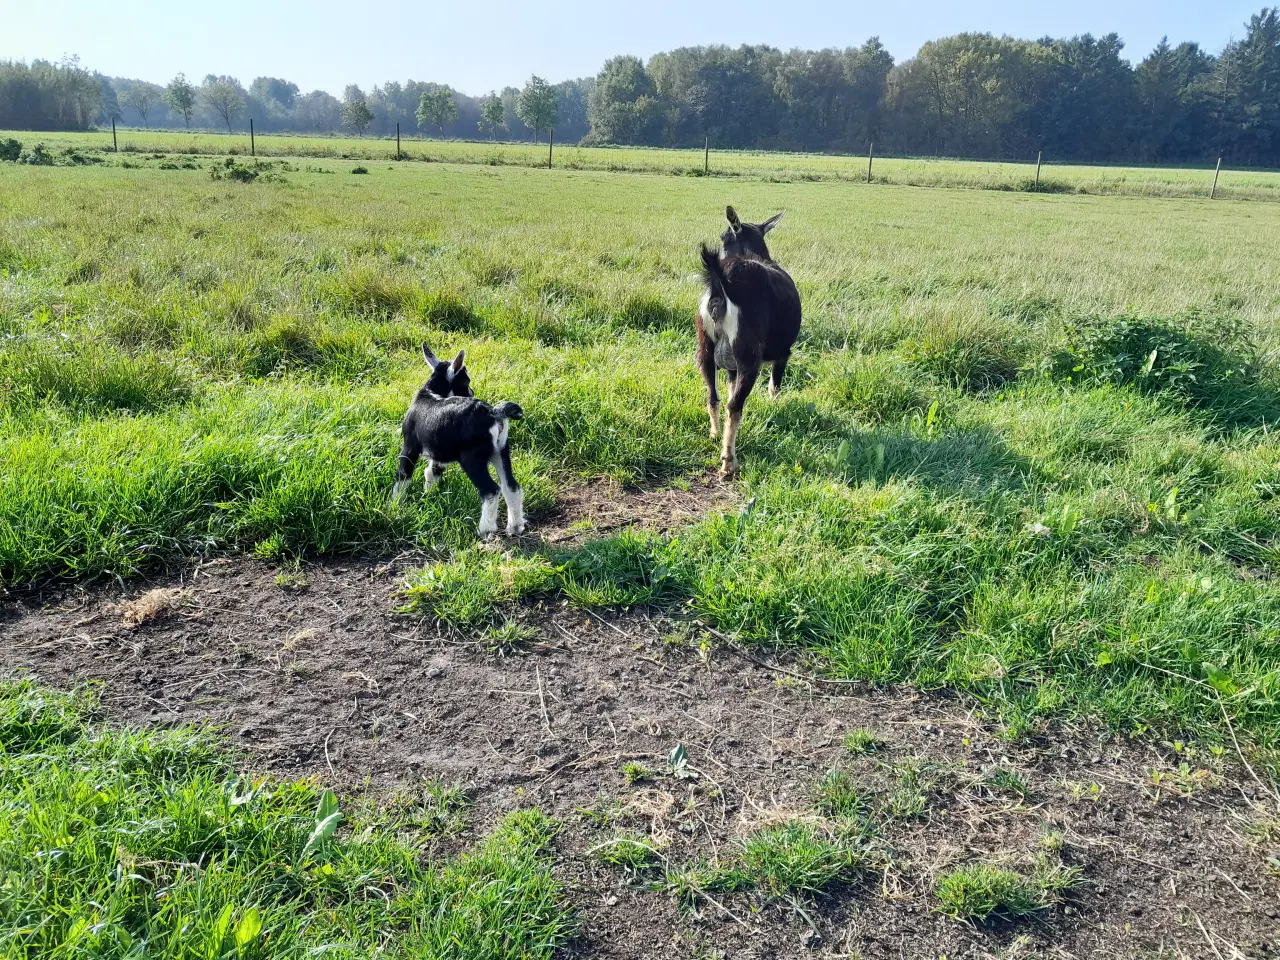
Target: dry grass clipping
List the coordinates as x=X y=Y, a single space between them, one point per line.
x=152 y=605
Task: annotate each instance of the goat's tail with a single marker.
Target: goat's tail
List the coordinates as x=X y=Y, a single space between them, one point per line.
x=508 y=411
x=713 y=271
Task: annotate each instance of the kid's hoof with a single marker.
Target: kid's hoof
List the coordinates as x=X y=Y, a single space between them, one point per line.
x=515 y=530
x=728 y=470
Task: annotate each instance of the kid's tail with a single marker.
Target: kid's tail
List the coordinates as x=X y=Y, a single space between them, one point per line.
x=508 y=410
x=713 y=271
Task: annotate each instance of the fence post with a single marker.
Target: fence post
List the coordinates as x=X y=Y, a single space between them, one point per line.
x=397 y=141
x=1214 y=192
x=1039 y=157
x=253 y=148
x=706 y=156
x=551 y=140
x=115 y=146
x=871 y=152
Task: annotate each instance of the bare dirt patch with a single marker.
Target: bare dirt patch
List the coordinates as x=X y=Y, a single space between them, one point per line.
x=605 y=505
x=313 y=674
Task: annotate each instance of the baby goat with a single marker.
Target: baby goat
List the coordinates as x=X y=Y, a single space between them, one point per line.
x=449 y=425
x=749 y=315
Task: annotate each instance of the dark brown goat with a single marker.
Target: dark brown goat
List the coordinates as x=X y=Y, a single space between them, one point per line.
x=749 y=315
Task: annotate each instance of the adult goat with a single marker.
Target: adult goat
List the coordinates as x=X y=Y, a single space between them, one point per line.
x=749 y=316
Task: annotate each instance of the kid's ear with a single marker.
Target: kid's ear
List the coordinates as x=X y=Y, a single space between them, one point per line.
x=458 y=362
x=731 y=215
x=430 y=357
x=771 y=222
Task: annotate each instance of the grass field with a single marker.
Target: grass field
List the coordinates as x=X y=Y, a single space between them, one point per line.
x=1024 y=453
x=1055 y=178
x=192 y=365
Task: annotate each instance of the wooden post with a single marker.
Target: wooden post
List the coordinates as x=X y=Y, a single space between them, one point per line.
x=706 y=156
x=253 y=149
x=871 y=152
x=114 y=144
x=551 y=140
x=397 y=141
x=1039 y=157
x=1214 y=192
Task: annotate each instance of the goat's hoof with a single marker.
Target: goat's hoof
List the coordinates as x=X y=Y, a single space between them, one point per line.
x=515 y=530
x=728 y=470
x=488 y=534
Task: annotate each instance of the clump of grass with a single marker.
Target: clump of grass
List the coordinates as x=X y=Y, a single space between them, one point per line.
x=366 y=290
x=689 y=883
x=876 y=388
x=980 y=891
x=468 y=591
x=838 y=794
x=862 y=741
x=438 y=809
x=632 y=853
x=797 y=859
x=971 y=356
x=508 y=637
x=636 y=772
x=909 y=797
x=1007 y=782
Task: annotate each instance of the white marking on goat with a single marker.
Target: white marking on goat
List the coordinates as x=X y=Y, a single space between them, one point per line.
x=515 y=510
x=728 y=324
x=499 y=433
x=489 y=516
x=432 y=475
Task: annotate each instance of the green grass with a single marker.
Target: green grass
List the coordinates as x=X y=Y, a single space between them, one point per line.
x=794 y=860
x=1024 y=451
x=863 y=740
x=631 y=853
x=839 y=795
x=123 y=843
x=152 y=148
x=981 y=891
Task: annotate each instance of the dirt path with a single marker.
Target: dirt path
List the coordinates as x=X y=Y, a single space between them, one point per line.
x=323 y=679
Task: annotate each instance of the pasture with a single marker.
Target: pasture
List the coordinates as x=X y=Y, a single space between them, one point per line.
x=1135 y=180
x=999 y=574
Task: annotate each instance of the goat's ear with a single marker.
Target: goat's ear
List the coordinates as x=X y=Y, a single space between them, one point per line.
x=731 y=215
x=430 y=357
x=458 y=362
x=771 y=222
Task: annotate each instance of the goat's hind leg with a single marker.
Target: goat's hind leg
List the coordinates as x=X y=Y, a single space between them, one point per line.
x=775 y=375
x=511 y=491
x=409 y=454
x=475 y=463
x=742 y=386
x=707 y=365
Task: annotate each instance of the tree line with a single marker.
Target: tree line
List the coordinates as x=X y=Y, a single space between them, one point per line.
x=970 y=95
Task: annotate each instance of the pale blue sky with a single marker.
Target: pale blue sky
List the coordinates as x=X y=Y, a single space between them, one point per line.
x=478 y=45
